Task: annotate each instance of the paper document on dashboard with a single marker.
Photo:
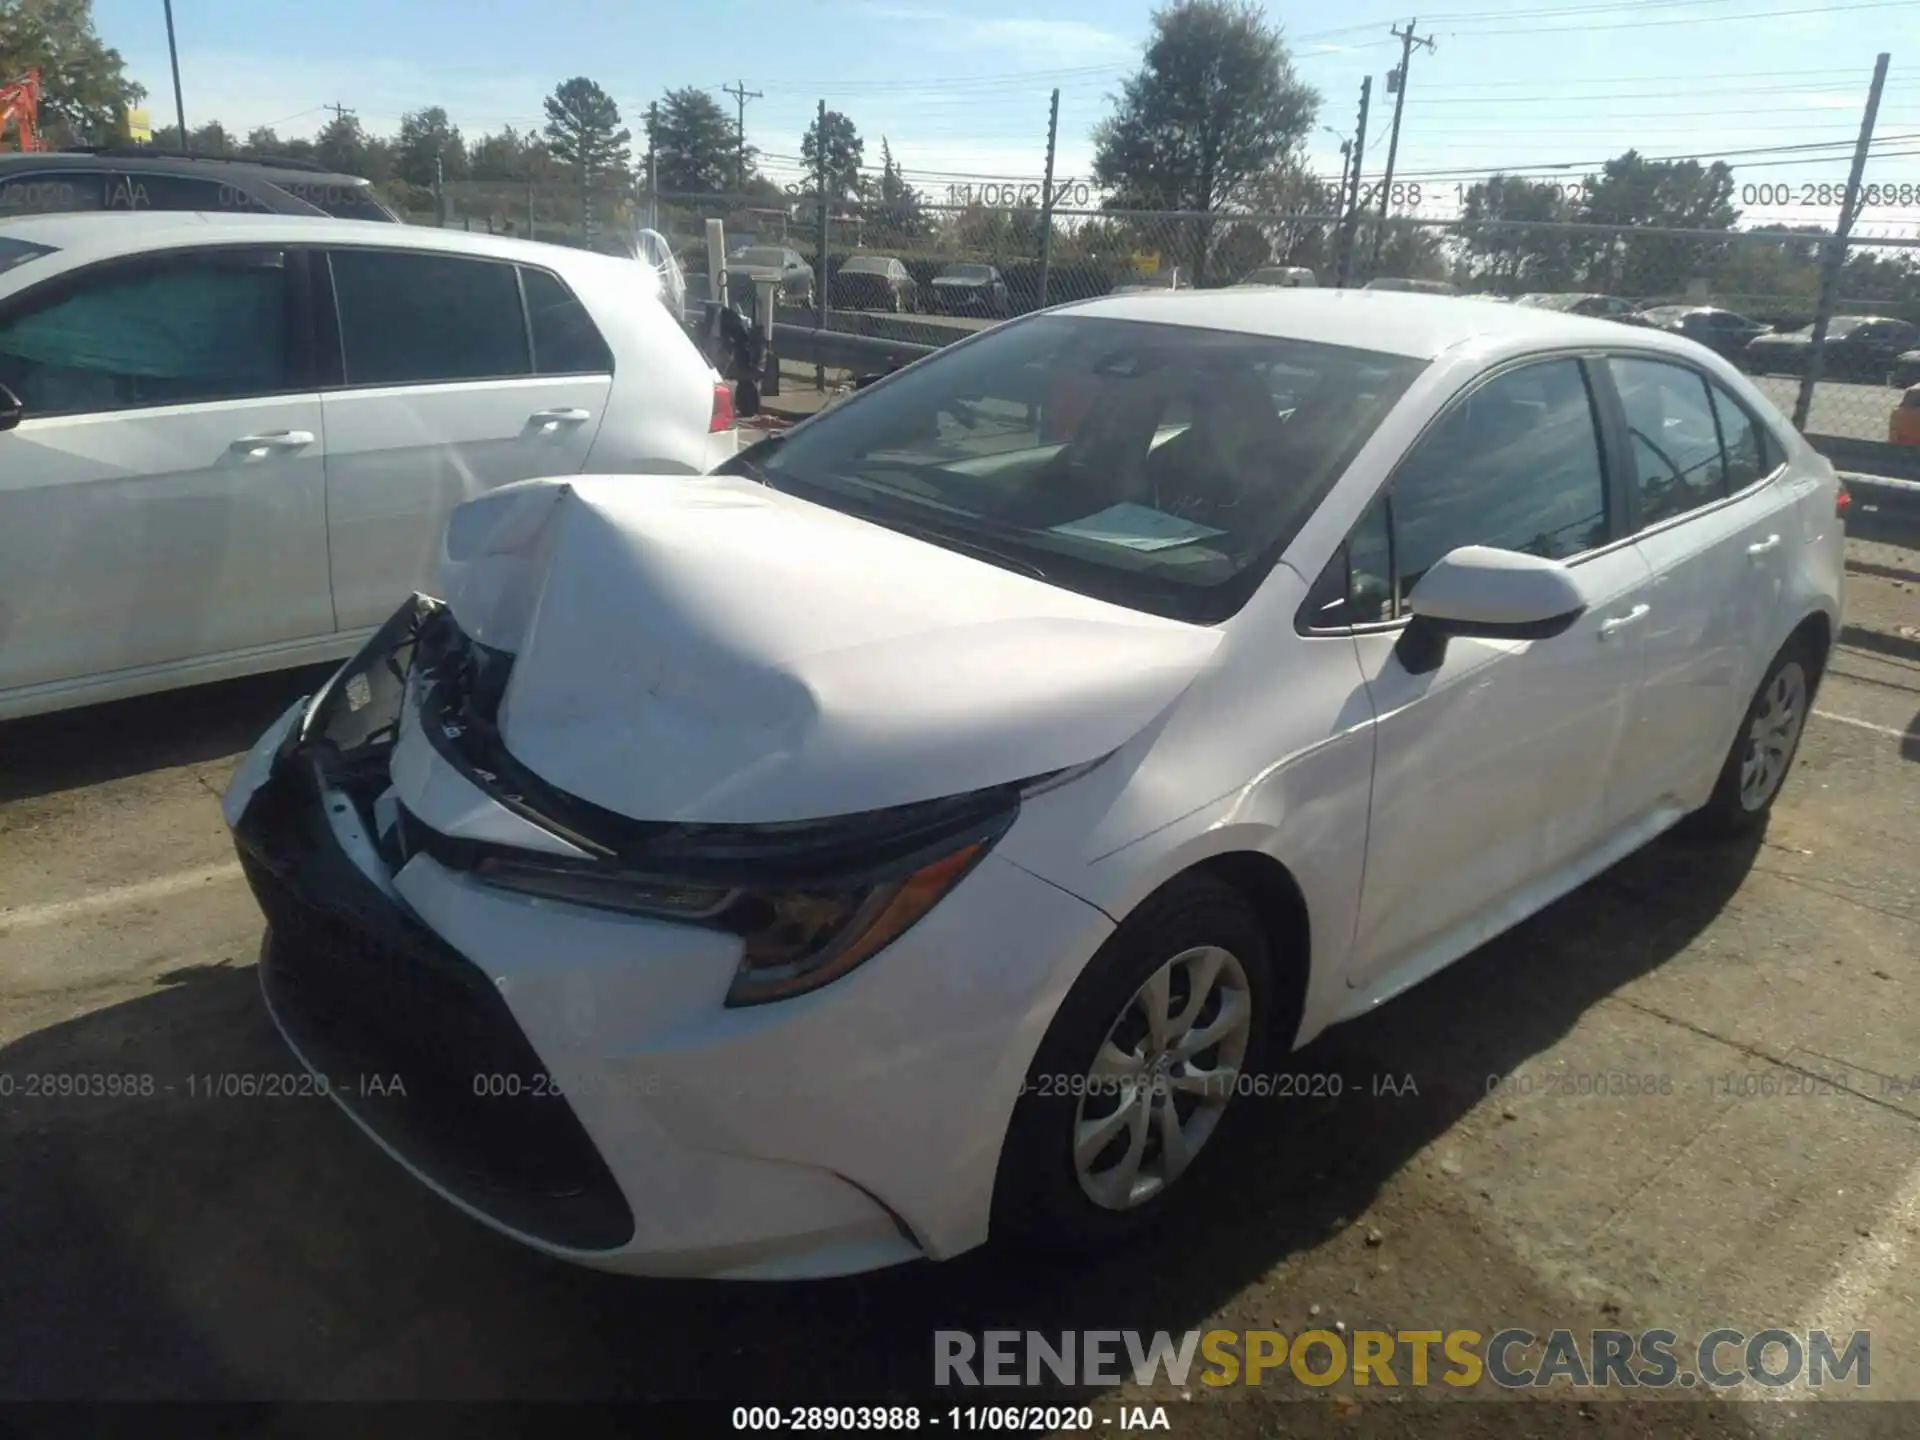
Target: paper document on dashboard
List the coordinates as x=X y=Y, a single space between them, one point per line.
x=1138 y=528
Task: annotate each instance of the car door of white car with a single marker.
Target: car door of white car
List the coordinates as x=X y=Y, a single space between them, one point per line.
x=162 y=498
x=1491 y=771
x=1718 y=530
x=450 y=384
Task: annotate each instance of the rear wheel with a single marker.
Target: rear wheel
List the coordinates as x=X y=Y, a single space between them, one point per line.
x=1139 y=1069
x=1763 y=749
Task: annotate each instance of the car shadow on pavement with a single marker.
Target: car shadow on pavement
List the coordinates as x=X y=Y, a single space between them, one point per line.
x=45 y=754
x=188 y=1242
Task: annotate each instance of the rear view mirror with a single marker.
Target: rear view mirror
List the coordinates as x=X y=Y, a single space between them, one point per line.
x=1488 y=594
x=12 y=411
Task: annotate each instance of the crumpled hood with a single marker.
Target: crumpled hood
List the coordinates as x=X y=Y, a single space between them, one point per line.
x=706 y=649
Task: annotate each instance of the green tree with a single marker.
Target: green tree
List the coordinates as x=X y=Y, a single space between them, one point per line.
x=1214 y=106
x=1633 y=191
x=583 y=130
x=696 y=146
x=507 y=154
x=211 y=138
x=342 y=145
x=83 y=82
x=903 y=210
x=429 y=146
x=1512 y=261
x=833 y=144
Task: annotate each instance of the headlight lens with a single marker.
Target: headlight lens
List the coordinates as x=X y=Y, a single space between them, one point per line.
x=796 y=938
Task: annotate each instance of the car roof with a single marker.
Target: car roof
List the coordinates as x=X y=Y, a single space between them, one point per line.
x=1393 y=322
x=162 y=163
x=94 y=234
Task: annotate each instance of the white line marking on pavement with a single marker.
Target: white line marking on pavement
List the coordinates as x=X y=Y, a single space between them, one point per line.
x=1887 y=730
x=27 y=917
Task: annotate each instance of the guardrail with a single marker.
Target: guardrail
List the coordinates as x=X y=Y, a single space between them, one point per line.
x=844 y=350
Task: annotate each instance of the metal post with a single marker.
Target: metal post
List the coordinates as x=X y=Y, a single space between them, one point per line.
x=173 y=55
x=440 y=192
x=1353 y=194
x=530 y=219
x=653 y=168
x=767 y=294
x=820 y=299
x=1836 y=256
x=1046 y=200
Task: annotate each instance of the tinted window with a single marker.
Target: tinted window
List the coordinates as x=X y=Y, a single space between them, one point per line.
x=1515 y=465
x=52 y=192
x=191 y=329
x=1675 y=443
x=343 y=201
x=565 y=341
x=413 y=318
x=1153 y=465
x=1749 y=451
x=176 y=192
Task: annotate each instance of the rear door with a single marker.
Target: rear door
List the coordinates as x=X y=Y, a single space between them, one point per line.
x=455 y=375
x=1717 y=531
x=163 y=498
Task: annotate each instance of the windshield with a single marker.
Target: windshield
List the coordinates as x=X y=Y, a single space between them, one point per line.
x=18 y=252
x=966 y=272
x=762 y=256
x=1155 y=466
x=865 y=265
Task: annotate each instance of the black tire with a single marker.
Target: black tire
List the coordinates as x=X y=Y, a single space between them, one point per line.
x=1038 y=1197
x=1728 y=813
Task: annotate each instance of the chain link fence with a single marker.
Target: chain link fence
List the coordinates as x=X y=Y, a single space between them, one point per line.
x=1753 y=295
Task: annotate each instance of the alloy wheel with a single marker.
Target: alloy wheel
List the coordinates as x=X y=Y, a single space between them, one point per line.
x=1773 y=734
x=1162 y=1078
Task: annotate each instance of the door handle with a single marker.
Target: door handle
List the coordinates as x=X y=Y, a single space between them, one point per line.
x=273 y=440
x=554 y=419
x=1761 y=547
x=1610 y=628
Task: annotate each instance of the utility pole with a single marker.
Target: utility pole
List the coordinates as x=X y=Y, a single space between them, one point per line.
x=340 y=112
x=653 y=168
x=1046 y=199
x=1836 y=256
x=1397 y=84
x=738 y=90
x=173 y=54
x=1353 y=191
x=826 y=234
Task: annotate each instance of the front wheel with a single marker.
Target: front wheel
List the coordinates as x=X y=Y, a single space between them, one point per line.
x=1763 y=750
x=1138 y=1070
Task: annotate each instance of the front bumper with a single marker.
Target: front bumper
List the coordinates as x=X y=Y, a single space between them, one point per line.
x=572 y=1078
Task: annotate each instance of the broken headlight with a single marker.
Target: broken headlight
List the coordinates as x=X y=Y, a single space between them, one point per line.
x=799 y=930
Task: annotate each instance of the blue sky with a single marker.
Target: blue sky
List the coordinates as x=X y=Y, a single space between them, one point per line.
x=960 y=89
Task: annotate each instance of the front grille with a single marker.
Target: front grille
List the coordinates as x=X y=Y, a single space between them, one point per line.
x=418 y=1044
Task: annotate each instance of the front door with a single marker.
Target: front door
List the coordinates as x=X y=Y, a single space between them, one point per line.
x=162 y=500
x=1492 y=771
x=451 y=387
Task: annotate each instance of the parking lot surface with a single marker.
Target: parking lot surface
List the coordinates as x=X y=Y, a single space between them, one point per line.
x=169 y=1243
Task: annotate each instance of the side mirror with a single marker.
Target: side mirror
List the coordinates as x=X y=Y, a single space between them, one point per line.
x=12 y=411
x=1488 y=594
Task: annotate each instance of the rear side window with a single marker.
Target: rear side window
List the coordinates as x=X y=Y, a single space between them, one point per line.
x=53 y=192
x=1675 y=440
x=188 y=329
x=415 y=318
x=1750 y=452
x=565 y=340
x=343 y=202
x=177 y=192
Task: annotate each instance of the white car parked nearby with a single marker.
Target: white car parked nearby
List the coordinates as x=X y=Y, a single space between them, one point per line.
x=926 y=829
x=230 y=443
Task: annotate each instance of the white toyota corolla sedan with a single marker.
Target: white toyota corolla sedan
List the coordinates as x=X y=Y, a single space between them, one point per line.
x=929 y=829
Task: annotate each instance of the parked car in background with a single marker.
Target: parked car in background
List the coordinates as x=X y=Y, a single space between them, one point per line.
x=1858 y=347
x=1903 y=426
x=875 y=282
x=919 y=831
x=1599 y=307
x=137 y=177
x=1418 y=287
x=1158 y=283
x=970 y=289
x=1905 y=371
x=1285 y=276
x=1721 y=331
x=752 y=263
x=230 y=443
